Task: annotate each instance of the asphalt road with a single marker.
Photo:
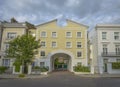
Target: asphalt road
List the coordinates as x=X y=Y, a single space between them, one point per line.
x=61 y=79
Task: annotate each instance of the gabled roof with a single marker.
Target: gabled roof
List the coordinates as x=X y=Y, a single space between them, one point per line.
x=66 y=20
x=77 y=23
x=46 y=22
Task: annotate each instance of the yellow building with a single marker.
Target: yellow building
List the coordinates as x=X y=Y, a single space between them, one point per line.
x=9 y=32
x=62 y=47
x=65 y=44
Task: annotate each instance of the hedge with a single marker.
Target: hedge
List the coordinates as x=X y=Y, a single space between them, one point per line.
x=116 y=65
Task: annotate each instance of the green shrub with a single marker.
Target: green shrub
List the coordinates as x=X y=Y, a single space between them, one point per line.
x=21 y=75
x=116 y=65
x=36 y=67
x=17 y=66
x=80 y=68
x=2 y=69
x=44 y=69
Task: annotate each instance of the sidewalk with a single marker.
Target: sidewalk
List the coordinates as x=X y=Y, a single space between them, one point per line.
x=100 y=75
x=11 y=76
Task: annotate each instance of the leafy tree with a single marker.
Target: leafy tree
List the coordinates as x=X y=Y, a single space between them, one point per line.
x=23 y=48
x=13 y=20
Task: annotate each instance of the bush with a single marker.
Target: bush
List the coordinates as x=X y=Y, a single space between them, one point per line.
x=116 y=65
x=44 y=69
x=21 y=75
x=36 y=67
x=80 y=68
x=17 y=66
x=2 y=69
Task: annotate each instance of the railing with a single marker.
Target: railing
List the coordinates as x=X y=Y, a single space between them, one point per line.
x=111 y=54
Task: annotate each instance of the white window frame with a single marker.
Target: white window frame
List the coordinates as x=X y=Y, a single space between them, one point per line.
x=44 y=32
x=77 y=54
x=70 y=34
x=104 y=36
x=41 y=53
x=55 y=44
x=116 y=36
x=42 y=64
x=7 y=46
x=6 y=62
x=55 y=34
x=77 y=35
x=11 y=35
x=70 y=45
x=41 y=44
x=78 y=44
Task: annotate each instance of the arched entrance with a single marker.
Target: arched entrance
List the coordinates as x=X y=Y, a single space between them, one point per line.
x=61 y=60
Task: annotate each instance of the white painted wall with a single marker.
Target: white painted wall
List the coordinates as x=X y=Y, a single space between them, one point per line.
x=97 y=43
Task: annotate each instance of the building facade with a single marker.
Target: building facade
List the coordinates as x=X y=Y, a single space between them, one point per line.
x=62 y=47
x=106 y=48
x=9 y=32
x=67 y=44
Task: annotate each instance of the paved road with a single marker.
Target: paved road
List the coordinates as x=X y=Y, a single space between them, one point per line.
x=61 y=79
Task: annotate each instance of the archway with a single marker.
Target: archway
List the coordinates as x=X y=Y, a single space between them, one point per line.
x=61 y=61
x=65 y=59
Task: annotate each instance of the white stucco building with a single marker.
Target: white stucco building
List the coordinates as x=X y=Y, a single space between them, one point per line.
x=105 y=48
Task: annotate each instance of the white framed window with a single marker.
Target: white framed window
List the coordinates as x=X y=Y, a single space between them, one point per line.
x=54 y=44
x=54 y=34
x=11 y=35
x=105 y=49
x=42 y=64
x=43 y=34
x=6 y=46
x=79 y=54
x=68 y=44
x=68 y=34
x=116 y=35
x=79 y=35
x=117 y=49
x=79 y=45
x=104 y=35
x=6 y=62
x=42 y=53
x=43 y=44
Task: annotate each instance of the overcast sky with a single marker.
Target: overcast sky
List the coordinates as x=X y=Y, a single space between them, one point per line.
x=88 y=12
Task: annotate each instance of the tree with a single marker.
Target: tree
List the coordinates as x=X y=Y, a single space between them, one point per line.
x=23 y=48
x=13 y=20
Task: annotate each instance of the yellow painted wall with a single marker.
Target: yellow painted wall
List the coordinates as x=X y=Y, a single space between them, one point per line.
x=61 y=37
x=18 y=31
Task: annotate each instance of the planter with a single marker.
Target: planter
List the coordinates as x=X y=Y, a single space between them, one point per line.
x=77 y=73
x=44 y=73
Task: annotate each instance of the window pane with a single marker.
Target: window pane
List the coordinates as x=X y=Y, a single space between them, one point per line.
x=116 y=35
x=42 y=64
x=78 y=44
x=53 y=44
x=68 y=44
x=79 y=34
x=42 y=53
x=11 y=35
x=43 y=44
x=68 y=34
x=53 y=34
x=79 y=54
x=43 y=34
x=104 y=34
